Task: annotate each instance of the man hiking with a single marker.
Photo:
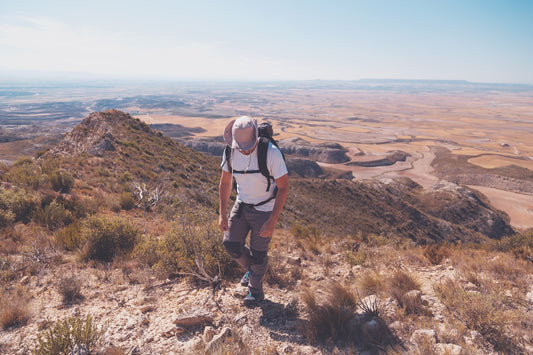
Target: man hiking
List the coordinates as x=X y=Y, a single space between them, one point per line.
x=262 y=189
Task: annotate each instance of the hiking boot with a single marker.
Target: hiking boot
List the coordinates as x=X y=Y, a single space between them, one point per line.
x=245 y=279
x=253 y=299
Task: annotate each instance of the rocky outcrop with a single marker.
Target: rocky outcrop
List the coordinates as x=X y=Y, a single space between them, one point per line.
x=462 y=206
x=206 y=146
x=331 y=153
x=304 y=168
x=391 y=158
x=97 y=134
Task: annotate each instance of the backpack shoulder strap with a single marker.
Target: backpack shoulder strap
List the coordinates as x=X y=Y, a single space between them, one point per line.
x=227 y=158
x=262 y=150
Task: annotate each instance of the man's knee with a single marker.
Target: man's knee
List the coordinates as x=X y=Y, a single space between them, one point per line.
x=258 y=257
x=234 y=249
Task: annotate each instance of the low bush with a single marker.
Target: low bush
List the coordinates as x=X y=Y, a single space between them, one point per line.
x=126 y=201
x=192 y=243
x=61 y=181
x=17 y=204
x=25 y=173
x=334 y=319
x=6 y=217
x=53 y=216
x=106 y=237
x=399 y=284
x=69 y=237
x=310 y=236
x=7 y=271
x=280 y=272
x=371 y=283
x=520 y=244
x=69 y=335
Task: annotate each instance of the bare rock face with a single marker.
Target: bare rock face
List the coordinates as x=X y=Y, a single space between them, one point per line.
x=304 y=168
x=331 y=153
x=194 y=318
x=206 y=146
x=391 y=158
x=100 y=133
x=95 y=135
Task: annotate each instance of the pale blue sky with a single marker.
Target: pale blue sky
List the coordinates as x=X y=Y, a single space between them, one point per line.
x=475 y=40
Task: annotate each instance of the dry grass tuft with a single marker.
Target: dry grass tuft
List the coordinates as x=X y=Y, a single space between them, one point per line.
x=371 y=282
x=330 y=319
x=70 y=289
x=436 y=253
x=399 y=284
x=280 y=272
x=307 y=237
x=14 y=309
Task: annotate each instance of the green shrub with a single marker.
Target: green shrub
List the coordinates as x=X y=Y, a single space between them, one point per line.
x=149 y=250
x=25 y=173
x=66 y=335
x=18 y=204
x=69 y=237
x=61 y=181
x=194 y=238
x=105 y=237
x=126 y=177
x=53 y=216
x=520 y=244
x=355 y=257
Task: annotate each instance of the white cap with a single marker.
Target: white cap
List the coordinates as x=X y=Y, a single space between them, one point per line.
x=241 y=133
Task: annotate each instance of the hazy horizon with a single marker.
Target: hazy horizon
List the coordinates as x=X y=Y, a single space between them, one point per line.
x=476 y=41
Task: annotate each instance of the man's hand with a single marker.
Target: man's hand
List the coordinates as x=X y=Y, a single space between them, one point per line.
x=223 y=223
x=267 y=230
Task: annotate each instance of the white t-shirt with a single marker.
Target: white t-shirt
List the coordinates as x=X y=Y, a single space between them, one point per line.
x=251 y=188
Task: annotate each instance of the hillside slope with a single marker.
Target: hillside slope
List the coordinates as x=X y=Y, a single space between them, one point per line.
x=74 y=247
x=122 y=150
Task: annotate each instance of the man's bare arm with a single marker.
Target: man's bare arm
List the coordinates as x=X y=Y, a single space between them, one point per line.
x=224 y=192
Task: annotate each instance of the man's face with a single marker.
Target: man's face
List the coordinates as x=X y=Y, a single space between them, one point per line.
x=248 y=152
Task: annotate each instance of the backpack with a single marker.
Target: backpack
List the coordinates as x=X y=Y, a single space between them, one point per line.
x=265 y=133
